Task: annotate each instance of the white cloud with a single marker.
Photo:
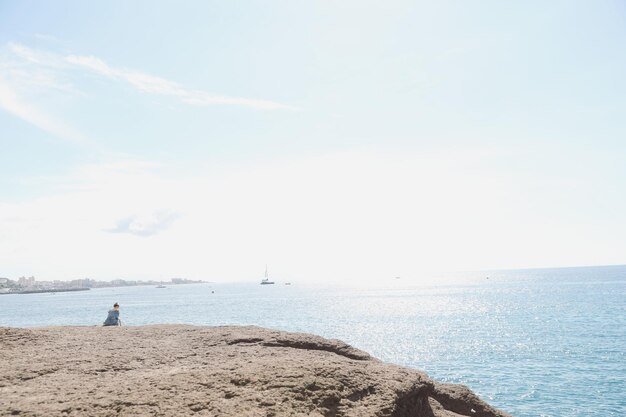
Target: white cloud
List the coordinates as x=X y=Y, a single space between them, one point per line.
x=34 y=56
x=156 y=85
x=13 y=103
x=23 y=83
x=146 y=225
x=28 y=72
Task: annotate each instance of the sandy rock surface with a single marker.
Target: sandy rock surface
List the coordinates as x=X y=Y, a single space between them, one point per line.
x=177 y=370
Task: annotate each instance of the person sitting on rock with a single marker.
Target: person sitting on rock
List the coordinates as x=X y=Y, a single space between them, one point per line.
x=113 y=319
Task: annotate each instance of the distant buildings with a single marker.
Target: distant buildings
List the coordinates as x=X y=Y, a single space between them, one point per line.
x=26 y=282
x=4 y=283
x=83 y=283
x=30 y=284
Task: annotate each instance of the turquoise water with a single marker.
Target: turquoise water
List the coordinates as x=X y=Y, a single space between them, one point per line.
x=546 y=342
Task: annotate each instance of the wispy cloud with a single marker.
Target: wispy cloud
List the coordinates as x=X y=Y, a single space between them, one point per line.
x=141 y=81
x=46 y=59
x=156 y=85
x=145 y=226
x=27 y=76
x=25 y=73
x=13 y=103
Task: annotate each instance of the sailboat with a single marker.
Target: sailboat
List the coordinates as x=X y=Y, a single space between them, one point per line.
x=266 y=280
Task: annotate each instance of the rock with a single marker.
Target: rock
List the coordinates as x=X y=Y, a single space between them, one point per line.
x=177 y=370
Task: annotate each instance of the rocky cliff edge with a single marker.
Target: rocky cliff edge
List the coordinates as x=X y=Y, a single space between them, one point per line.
x=177 y=370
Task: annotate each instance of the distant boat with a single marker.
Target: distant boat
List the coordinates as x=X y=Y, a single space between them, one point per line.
x=266 y=280
x=287 y=283
x=161 y=286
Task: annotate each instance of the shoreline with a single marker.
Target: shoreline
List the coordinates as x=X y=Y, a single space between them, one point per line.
x=45 y=291
x=42 y=291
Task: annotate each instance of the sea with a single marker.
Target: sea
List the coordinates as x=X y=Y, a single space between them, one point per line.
x=540 y=342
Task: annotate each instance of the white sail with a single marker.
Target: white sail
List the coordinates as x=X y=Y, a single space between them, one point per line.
x=266 y=280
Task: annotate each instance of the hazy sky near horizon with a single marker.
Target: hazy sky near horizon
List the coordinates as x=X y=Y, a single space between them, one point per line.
x=345 y=141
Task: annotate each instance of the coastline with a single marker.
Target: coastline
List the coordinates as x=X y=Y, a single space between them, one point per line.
x=45 y=291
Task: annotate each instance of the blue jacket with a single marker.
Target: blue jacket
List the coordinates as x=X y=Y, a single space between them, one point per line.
x=113 y=319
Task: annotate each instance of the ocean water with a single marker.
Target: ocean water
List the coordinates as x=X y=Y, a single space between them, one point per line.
x=548 y=342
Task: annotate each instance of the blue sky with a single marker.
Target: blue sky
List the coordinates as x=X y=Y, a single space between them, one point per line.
x=350 y=140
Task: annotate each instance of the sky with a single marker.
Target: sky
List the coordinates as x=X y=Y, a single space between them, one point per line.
x=333 y=141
